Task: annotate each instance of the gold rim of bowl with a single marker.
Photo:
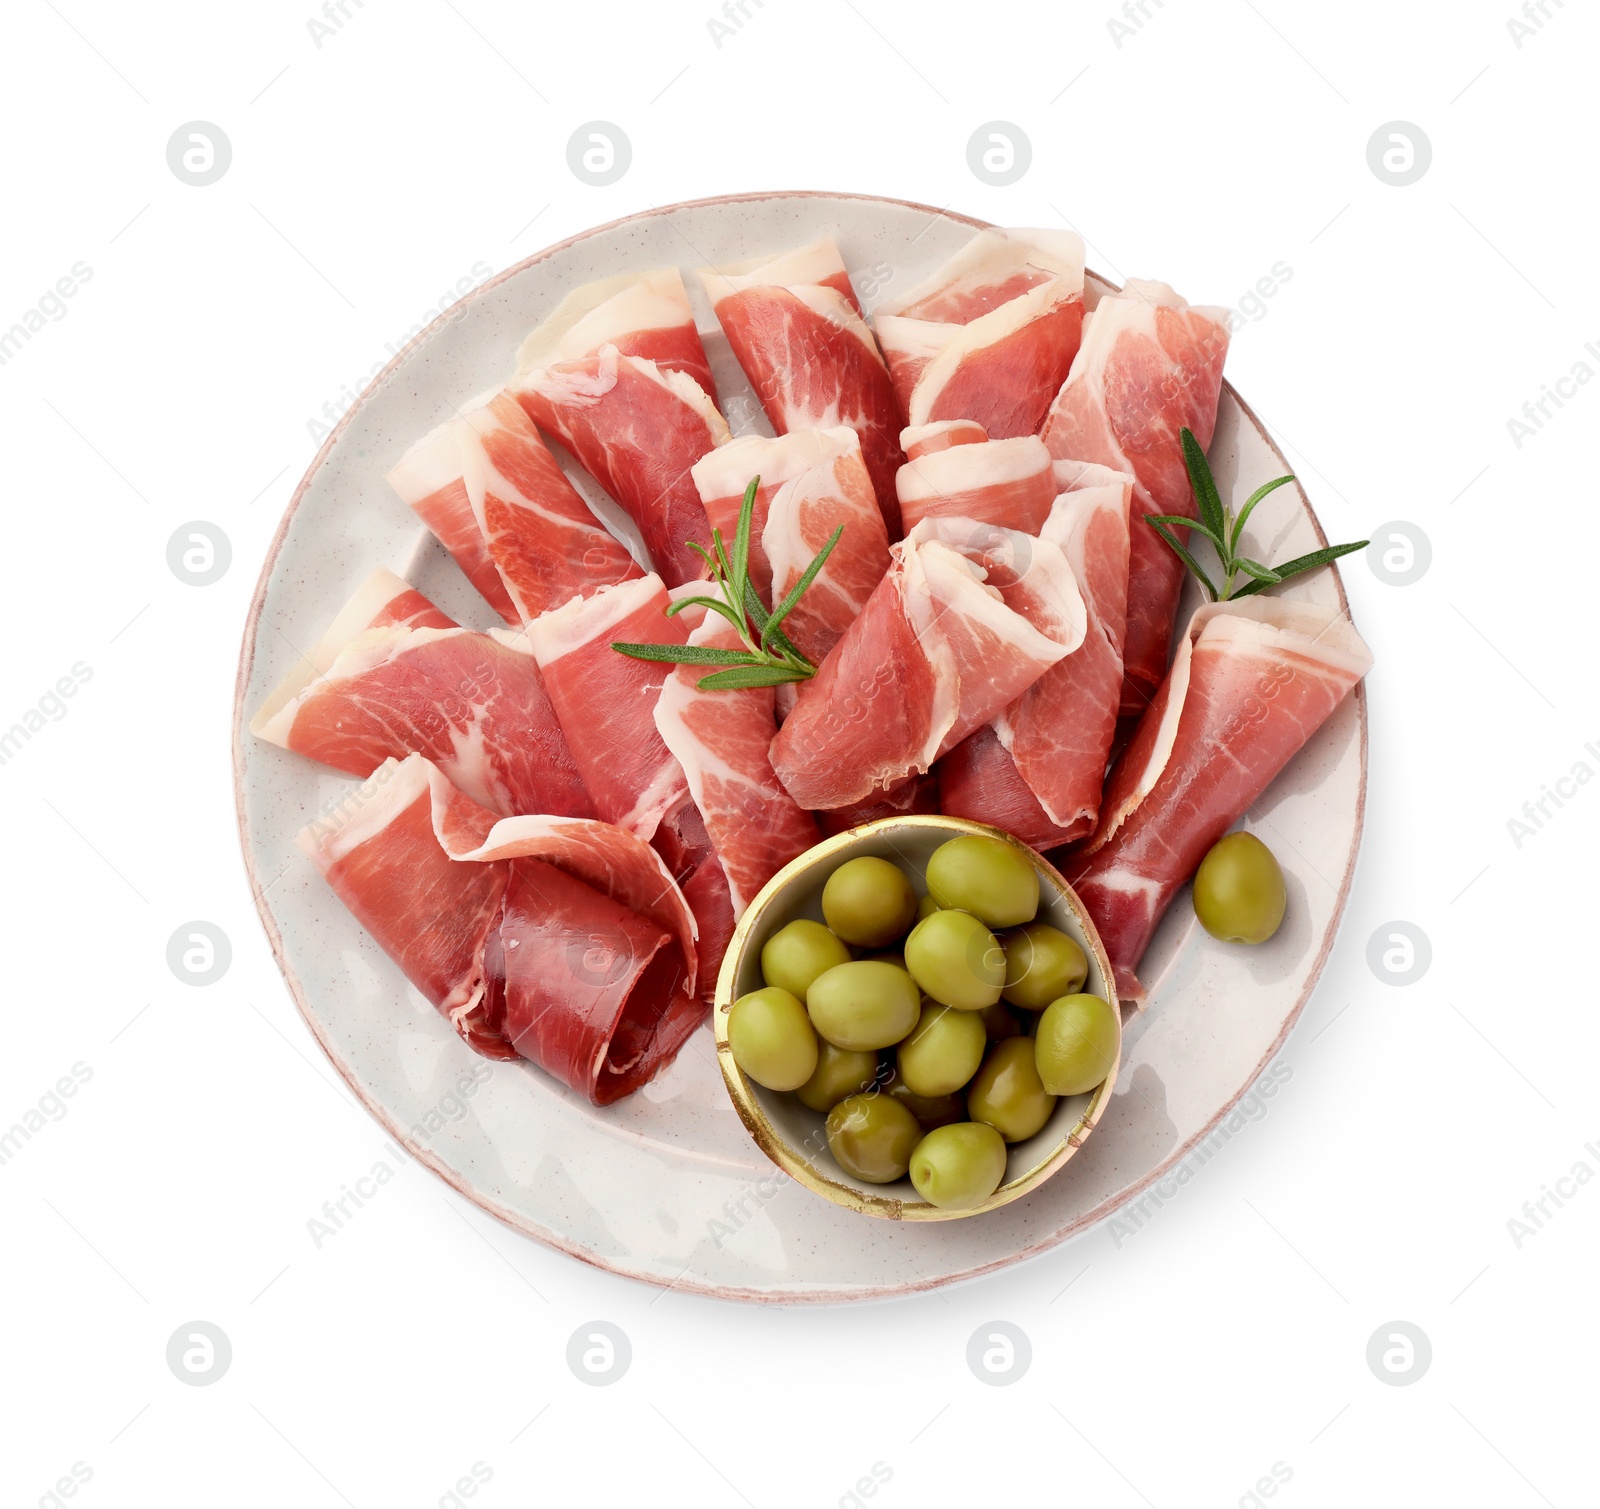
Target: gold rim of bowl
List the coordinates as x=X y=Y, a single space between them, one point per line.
x=776 y=1145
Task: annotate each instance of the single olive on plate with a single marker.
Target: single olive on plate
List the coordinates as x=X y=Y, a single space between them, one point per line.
x=1042 y=965
x=1007 y=1092
x=869 y=902
x=872 y=1137
x=1000 y=1022
x=772 y=1039
x=797 y=953
x=1239 y=894
x=1076 y=1044
x=840 y=1072
x=988 y=877
x=959 y=1166
x=930 y=1110
x=864 y=1005
x=943 y=1051
x=957 y=960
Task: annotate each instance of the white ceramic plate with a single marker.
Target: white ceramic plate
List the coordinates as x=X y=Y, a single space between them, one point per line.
x=666 y=1187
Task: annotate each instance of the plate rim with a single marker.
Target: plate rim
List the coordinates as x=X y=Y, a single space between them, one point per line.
x=430 y=1159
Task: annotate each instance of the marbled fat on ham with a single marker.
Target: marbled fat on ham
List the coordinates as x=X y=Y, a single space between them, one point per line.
x=795 y=325
x=1150 y=365
x=560 y=940
x=991 y=335
x=1252 y=681
x=937 y=652
x=526 y=539
x=643 y=314
x=474 y=704
x=637 y=428
x=605 y=701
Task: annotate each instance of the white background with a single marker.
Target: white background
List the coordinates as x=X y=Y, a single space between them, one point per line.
x=369 y=174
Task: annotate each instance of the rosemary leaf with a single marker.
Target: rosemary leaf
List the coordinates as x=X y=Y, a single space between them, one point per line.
x=1261 y=573
x=808 y=576
x=1249 y=507
x=1183 y=521
x=1203 y=483
x=745 y=676
x=1304 y=563
x=688 y=654
x=1182 y=554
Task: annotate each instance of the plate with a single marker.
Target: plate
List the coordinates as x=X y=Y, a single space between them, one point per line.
x=667 y=1187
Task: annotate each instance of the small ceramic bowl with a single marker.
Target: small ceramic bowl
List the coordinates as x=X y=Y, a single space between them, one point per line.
x=792 y=1135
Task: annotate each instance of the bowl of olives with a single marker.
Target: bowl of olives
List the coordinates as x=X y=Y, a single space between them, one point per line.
x=917 y=1021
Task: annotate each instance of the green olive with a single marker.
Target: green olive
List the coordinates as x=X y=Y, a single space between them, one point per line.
x=864 y=1004
x=1007 y=1092
x=840 y=1072
x=957 y=960
x=988 y=877
x=943 y=1051
x=1239 y=894
x=872 y=1137
x=1077 y=1044
x=797 y=953
x=930 y=1110
x=1042 y=965
x=958 y=1167
x=926 y=907
x=869 y=902
x=772 y=1038
x=1000 y=1022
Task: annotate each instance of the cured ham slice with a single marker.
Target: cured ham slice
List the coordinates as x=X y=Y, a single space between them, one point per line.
x=1011 y=483
x=919 y=794
x=605 y=700
x=383 y=601
x=1037 y=771
x=721 y=739
x=1252 y=680
x=706 y=891
x=637 y=428
x=474 y=704
x=991 y=335
x=644 y=314
x=795 y=325
x=937 y=652
x=1149 y=366
x=525 y=538
x=562 y=940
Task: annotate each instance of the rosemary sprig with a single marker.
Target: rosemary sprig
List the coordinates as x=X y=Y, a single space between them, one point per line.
x=769 y=656
x=1218 y=524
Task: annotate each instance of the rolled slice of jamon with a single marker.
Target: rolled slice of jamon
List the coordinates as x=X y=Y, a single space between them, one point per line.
x=918 y=794
x=525 y=537
x=644 y=314
x=794 y=323
x=991 y=335
x=937 y=652
x=1011 y=482
x=474 y=704
x=1149 y=366
x=605 y=700
x=557 y=939
x=1038 y=769
x=637 y=428
x=1252 y=681
x=722 y=741
x=382 y=601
